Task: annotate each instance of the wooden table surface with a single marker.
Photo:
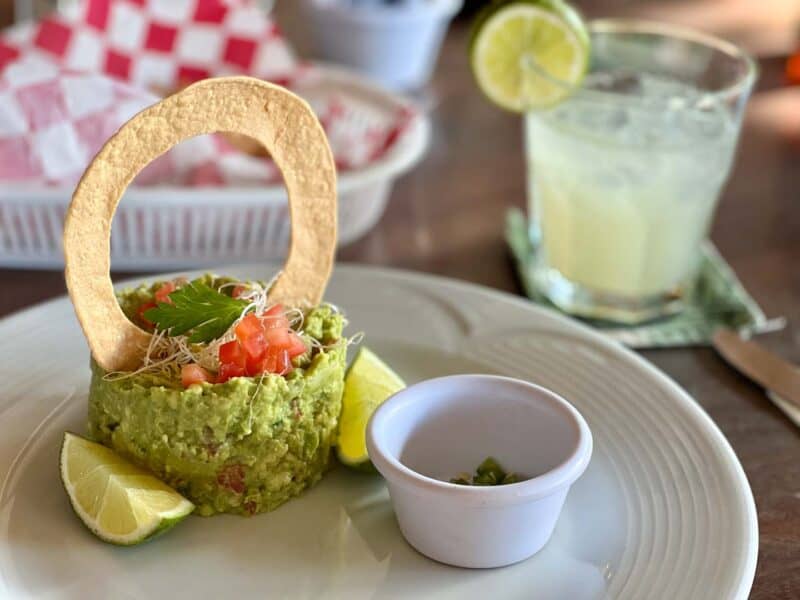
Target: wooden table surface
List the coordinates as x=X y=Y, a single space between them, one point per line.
x=446 y=217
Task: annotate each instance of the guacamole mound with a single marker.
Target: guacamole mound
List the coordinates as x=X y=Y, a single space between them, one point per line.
x=242 y=446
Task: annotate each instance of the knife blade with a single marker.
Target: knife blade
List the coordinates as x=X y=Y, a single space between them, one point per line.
x=760 y=365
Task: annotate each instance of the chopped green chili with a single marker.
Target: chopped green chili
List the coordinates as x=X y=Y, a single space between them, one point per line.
x=489 y=472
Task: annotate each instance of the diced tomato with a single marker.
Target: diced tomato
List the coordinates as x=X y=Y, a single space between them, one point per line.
x=297 y=347
x=249 y=326
x=264 y=363
x=283 y=363
x=194 y=373
x=232 y=360
x=255 y=365
x=231 y=353
x=270 y=362
x=161 y=296
x=238 y=290
x=275 y=318
x=275 y=311
x=250 y=334
x=278 y=337
x=264 y=344
x=276 y=360
x=229 y=371
x=143 y=309
x=162 y=293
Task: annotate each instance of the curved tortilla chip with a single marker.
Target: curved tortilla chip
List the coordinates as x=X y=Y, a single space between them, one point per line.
x=280 y=121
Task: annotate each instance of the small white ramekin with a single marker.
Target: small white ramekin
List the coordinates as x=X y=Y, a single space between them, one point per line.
x=435 y=430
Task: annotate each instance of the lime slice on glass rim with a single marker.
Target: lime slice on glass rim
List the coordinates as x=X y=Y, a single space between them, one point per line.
x=529 y=54
x=369 y=381
x=119 y=502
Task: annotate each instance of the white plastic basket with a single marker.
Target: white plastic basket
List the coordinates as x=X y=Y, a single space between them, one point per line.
x=174 y=228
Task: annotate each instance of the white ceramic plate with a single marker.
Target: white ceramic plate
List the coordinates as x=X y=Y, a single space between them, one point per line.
x=663 y=511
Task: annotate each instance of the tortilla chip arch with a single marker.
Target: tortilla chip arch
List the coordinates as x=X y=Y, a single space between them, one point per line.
x=279 y=120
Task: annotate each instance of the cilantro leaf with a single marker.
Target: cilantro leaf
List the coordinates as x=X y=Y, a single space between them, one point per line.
x=199 y=309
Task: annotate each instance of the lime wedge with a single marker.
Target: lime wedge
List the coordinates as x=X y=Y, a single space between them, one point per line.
x=369 y=381
x=121 y=503
x=514 y=42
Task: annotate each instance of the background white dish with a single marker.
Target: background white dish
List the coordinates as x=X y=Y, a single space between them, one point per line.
x=663 y=511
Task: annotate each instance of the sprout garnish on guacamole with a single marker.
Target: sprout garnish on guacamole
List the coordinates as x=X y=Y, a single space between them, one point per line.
x=212 y=329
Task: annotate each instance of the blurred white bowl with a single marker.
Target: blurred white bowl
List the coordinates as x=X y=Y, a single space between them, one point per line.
x=396 y=44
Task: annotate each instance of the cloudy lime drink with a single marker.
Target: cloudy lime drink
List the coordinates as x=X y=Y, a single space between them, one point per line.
x=630 y=131
x=624 y=172
x=623 y=193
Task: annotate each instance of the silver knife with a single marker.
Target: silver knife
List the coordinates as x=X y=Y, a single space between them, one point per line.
x=762 y=366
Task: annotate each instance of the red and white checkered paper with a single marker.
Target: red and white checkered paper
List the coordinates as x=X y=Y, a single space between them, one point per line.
x=69 y=81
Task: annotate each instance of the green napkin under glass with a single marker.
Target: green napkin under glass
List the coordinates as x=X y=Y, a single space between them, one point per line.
x=718 y=300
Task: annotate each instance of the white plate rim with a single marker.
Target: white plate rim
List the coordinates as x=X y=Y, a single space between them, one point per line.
x=710 y=427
